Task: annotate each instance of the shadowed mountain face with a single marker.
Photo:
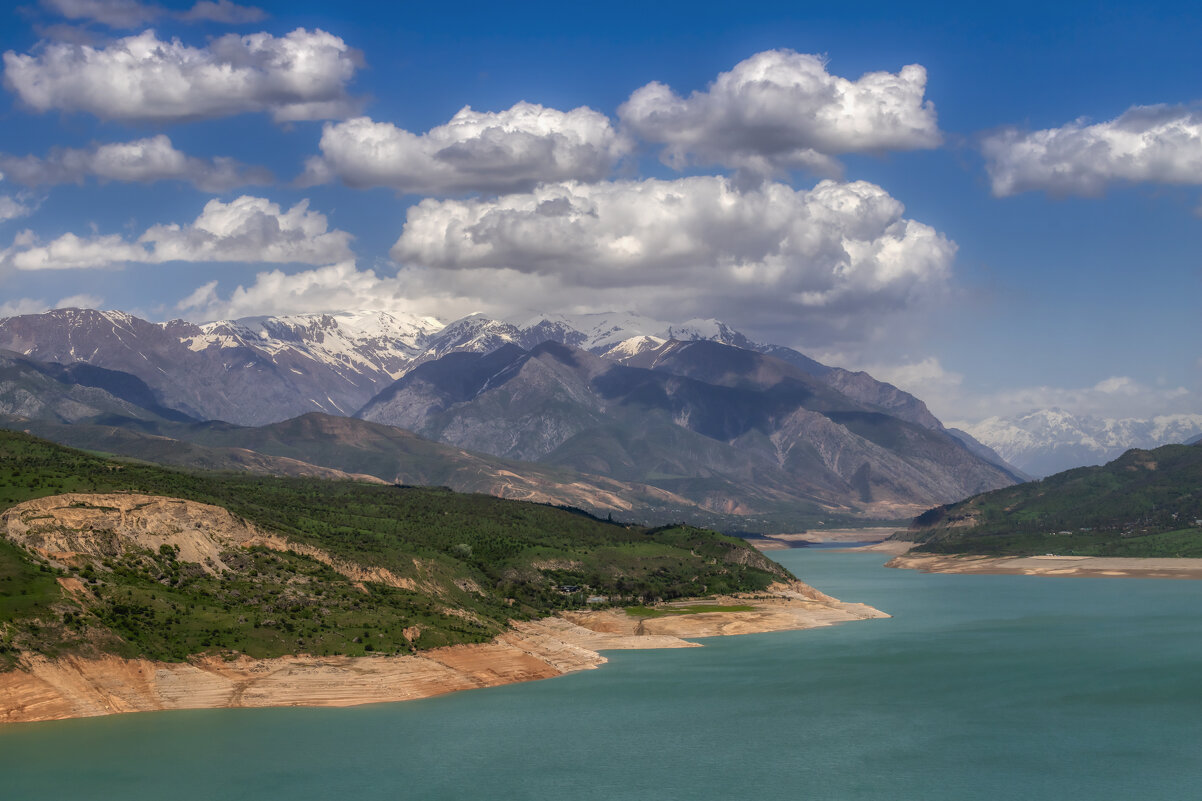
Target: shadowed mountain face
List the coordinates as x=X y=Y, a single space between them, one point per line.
x=250 y=372
x=75 y=392
x=702 y=419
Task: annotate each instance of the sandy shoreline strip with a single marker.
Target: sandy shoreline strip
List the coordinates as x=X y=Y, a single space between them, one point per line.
x=1050 y=565
x=72 y=687
x=779 y=542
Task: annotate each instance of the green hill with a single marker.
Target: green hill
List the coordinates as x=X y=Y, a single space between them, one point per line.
x=1145 y=503
x=462 y=566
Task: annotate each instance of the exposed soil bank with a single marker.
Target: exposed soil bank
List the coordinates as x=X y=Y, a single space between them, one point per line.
x=72 y=687
x=1094 y=566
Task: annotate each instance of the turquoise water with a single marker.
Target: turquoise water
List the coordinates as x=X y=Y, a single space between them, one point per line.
x=980 y=687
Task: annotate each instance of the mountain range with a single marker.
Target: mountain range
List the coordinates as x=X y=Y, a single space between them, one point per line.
x=1047 y=441
x=608 y=412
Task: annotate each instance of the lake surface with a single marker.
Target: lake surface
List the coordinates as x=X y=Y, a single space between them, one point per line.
x=979 y=687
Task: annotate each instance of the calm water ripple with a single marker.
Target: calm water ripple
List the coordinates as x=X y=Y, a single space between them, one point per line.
x=979 y=687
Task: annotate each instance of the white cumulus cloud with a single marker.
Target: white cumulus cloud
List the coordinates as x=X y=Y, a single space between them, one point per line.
x=835 y=264
x=823 y=259
x=780 y=110
x=501 y=151
x=143 y=160
x=336 y=287
x=1154 y=144
x=248 y=229
x=302 y=75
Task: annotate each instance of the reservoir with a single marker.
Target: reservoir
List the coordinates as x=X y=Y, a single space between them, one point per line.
x=979 y=687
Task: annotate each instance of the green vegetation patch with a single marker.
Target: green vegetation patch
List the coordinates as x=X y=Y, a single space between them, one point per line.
x=475 y=562
x=1143 y=504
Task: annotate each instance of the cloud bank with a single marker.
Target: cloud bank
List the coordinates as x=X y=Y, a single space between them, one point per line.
x=780 y=110
x=249 y=229
x=142 y=160
x=1153 y=144
x=944 y=392
x=504 y=151
x=300 y=76
x=823 y=263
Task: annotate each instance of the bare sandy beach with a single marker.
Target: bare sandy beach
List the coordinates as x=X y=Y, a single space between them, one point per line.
x=1050 y=565
x=71 y=687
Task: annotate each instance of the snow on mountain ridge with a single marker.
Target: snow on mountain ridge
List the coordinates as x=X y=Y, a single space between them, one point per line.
x=1046 y=441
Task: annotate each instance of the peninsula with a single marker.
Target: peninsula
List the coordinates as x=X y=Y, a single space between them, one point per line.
x=128 y=587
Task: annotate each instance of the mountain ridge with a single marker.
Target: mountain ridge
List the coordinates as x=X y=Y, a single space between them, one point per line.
x=713 y=419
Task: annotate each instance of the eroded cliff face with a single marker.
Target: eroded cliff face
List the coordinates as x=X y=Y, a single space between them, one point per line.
x=66 y=527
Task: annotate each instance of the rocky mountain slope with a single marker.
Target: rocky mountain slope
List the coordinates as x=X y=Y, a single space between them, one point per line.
x=643 y=404
x=266 y=369
x=707 y=421
x=251 y=371
x=1048 y=441
x=71 y=393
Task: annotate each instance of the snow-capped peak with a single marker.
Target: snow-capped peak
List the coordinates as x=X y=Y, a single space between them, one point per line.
x=1046 y=441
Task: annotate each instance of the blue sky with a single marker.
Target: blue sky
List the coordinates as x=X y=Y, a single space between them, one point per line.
x=1024 y=207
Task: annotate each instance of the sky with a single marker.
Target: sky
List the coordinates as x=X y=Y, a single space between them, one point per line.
x=998 y=208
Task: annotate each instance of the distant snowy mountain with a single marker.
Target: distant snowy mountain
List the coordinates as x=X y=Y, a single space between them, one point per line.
x=1047 y=441
x=260 y=370
x=251 y=371
x=735 y=426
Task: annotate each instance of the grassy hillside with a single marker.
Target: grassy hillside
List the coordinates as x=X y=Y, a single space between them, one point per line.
x=476 y=562
x=1145 y=503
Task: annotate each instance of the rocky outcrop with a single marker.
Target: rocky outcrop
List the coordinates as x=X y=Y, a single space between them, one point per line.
x=96 y=526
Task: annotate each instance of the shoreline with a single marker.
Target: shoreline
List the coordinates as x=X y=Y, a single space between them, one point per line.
x=780 y=542
x=1051 y=565
x=43 y=689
